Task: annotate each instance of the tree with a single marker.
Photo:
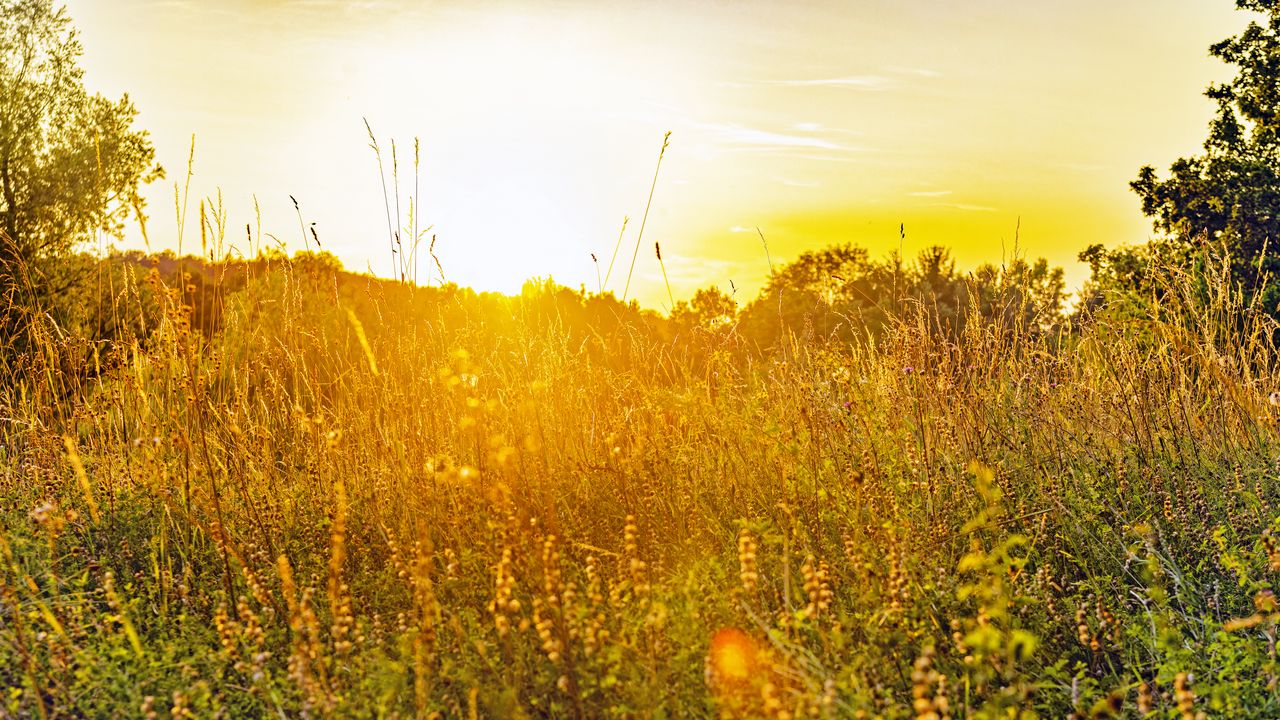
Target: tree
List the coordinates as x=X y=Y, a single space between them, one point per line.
x=1021 y=293
x=1231 y=193
x=938 y=291
x=70 y=162
x=711 y=310
x=836 y=293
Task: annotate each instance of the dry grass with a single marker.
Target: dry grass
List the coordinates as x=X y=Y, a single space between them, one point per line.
x=359 y=498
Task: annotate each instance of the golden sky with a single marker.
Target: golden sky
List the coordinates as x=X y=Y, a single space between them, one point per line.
x=540 y=123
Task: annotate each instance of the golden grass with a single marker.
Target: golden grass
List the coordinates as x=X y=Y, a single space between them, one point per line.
x=361 y=498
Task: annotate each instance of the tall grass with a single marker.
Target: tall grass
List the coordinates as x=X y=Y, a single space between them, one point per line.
x=360 y=498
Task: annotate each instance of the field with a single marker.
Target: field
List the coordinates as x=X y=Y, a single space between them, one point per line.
x=348 y=497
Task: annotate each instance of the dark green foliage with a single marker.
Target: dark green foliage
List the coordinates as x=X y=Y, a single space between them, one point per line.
x=840 y=294
x=1231 y=192
x=70 y=161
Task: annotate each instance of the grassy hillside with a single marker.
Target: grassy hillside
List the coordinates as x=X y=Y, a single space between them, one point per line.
x=353 y=498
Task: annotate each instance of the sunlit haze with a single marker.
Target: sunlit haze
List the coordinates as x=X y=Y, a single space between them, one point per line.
x=540 y=125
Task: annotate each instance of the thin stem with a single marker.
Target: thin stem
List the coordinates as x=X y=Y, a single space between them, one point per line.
x=616 y=247
x=657 y=249
x=386 y=201
x=627 y=289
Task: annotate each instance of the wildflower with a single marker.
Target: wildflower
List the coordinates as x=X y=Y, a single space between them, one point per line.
x=1185 y=697
x=748 y=573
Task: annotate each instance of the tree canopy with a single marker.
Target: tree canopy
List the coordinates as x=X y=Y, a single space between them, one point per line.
x=1231 y=192
x=71 y=162
x=841 y=293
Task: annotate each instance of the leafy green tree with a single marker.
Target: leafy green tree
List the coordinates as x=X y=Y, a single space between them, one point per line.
x=71 y=162
x=1028 y=295
x=837 y=293
x=1231 y=192
x=938 y=290
x=1129 y=281
x=840 y=294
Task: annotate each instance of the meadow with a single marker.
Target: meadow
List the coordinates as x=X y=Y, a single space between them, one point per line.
x=285 y=490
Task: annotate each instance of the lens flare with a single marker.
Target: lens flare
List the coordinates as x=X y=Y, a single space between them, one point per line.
x=732 y=655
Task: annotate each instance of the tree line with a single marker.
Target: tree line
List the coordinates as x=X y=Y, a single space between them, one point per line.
x=72 y=163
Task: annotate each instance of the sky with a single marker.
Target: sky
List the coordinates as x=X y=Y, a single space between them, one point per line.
x=994 y=127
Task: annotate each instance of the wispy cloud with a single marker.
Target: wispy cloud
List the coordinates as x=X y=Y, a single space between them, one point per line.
x=966 y=207
x=765 y=138
x=748 y=138
x=816 y=127
x=929 y=193
x=852 y=82
x=847 y=82
x=846 y=157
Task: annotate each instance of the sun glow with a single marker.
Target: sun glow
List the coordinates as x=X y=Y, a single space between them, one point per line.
x=540 y=123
